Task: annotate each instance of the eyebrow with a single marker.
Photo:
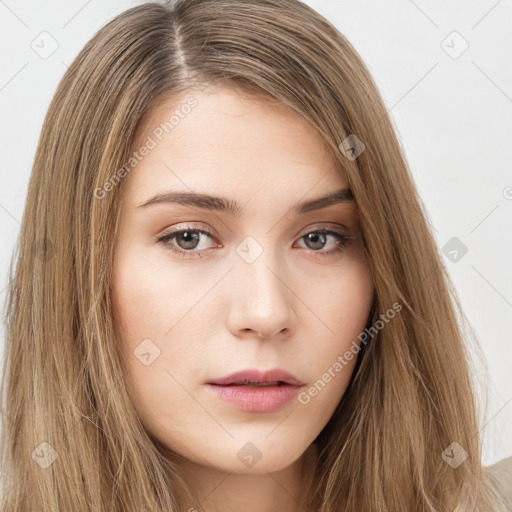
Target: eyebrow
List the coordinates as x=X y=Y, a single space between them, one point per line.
x=231 y=207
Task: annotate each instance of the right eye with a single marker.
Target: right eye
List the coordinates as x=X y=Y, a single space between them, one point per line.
x=185 y=241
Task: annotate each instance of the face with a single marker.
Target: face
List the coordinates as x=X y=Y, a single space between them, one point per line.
x=205 y=288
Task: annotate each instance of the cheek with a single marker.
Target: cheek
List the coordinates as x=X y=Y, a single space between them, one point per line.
x=150 y=305
x=149 y=297
x=343 y=308
x=344 y=304
x=156 y=307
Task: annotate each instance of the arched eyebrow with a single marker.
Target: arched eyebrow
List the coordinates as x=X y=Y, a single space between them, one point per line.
x=231 y=207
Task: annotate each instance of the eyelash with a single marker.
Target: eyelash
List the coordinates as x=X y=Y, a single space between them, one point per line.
x=343 y=240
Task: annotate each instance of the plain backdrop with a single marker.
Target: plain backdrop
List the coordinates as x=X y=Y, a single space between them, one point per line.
x=444 y=71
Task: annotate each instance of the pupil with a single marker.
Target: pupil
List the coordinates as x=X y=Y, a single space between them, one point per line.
x=314 y=237
x=191 y=239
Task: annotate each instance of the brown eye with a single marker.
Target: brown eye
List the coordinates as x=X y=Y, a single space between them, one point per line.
x=318 y=239
x=187 y=239
x=185 y=242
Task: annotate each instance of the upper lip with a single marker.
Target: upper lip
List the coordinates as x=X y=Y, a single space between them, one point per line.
x=254 y=375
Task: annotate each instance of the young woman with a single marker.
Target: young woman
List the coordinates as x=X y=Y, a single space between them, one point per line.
x=226 y=294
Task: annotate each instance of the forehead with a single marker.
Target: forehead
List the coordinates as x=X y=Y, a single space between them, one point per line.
x=233 y=143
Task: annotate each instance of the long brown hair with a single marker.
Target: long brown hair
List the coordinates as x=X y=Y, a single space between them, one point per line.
x=71 y=439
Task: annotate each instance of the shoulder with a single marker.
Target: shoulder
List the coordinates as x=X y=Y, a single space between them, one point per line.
x=498 y=478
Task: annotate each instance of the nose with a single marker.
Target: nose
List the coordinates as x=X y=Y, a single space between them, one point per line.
x=261 y=299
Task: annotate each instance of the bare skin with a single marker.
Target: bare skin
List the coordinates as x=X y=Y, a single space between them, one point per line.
x=297 y=306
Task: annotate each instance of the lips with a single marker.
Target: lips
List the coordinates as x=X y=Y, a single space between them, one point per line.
x=256 y=378
x=253 y=391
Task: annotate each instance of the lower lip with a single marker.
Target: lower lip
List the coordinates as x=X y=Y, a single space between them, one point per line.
x=254 y=398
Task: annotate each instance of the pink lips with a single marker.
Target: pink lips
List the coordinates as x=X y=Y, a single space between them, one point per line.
x=256 y=376
x=253 y=398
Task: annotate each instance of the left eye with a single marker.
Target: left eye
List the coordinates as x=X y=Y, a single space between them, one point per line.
x=185 y=242
x=189 y=239
x=319 y=237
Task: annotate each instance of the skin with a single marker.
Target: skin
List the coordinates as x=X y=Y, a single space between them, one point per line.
x=295 y=307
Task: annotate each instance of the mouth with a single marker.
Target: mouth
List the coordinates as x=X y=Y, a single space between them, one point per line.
x=255 y=384
x=255 y=397
x=252 y=377
x=255 y=391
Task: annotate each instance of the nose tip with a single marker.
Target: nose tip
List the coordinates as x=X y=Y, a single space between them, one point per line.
x=261 y=304
x=265 y=323
x=266 y=333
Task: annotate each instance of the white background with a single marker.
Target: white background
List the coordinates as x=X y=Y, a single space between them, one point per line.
x=453 y=117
